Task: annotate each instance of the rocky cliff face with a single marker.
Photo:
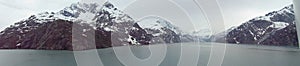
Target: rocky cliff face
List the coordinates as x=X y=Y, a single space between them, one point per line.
x=275 y=28
x=283 y=37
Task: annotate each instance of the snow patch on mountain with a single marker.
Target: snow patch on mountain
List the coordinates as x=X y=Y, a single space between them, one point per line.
x=279 y=25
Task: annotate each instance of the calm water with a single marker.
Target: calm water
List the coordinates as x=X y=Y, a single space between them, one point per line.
x=235 y=55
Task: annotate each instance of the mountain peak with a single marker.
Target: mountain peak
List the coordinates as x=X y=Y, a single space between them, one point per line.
x=77 y=8
x=267 y=30
x=277 y=16
x=109 y=5
x=158 y=23
x=54 y=30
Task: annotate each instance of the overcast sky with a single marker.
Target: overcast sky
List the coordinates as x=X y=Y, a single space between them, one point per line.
x=235 y=12
x=13 y=11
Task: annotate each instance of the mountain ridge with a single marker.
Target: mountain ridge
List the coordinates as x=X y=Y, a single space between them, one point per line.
x=67 y=30
x=83 y=26
x=259 y=30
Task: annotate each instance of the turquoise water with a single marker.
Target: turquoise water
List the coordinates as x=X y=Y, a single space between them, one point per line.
x=235 y=55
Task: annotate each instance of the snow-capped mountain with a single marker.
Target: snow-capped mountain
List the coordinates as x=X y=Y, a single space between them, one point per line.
x=275 y=28
x=200 y=35
x=160 y=28
x=158 y=23
x=81 y=23
x=164 y=31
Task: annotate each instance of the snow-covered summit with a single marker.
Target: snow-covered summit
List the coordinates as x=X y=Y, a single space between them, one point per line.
x=267 y=30
x=54 y=30
x=84 y=12
x=160 y=28
x=157 y=23
x=288 y=10
x=278 y=18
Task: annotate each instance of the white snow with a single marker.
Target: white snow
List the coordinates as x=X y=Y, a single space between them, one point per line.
x=286 y=10
x=60 y=16
x=84 y=12
x=19 y=44
x=46 y=17
x=255 y=38
x=157 y=34
x=108 y=29
x=84 y=35
x=267 y=18
x=236 y=41
x=157 y=23
x=134 y=28
x=281 y=12
x=120 y=16
x=20 y=30
x=251 y=32
x=81 y=12
x=279 y=25
x=134 y=42
x=84 y=30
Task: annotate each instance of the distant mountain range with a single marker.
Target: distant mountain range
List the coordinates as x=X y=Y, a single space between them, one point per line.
x=276 y=28
x=82 y=25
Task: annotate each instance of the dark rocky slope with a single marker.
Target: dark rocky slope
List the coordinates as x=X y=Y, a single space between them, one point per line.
x=275 y=28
